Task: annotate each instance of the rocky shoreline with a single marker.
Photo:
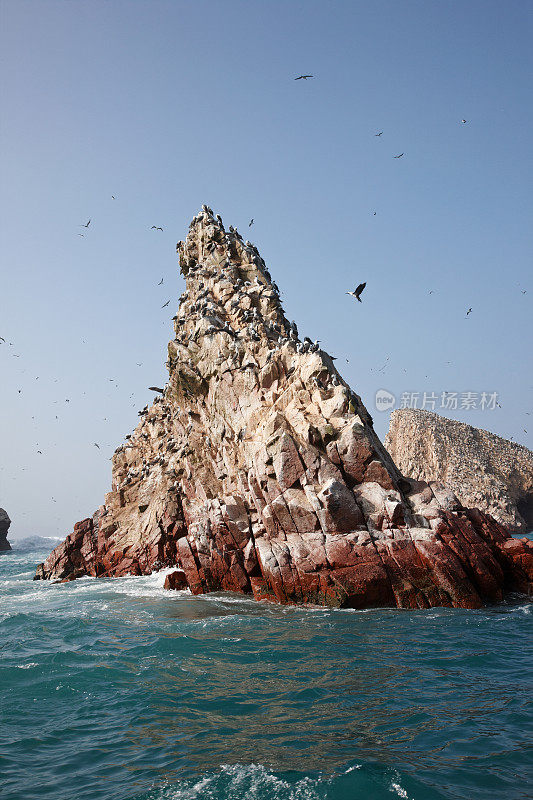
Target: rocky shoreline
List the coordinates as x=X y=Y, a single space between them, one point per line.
x=258 y=470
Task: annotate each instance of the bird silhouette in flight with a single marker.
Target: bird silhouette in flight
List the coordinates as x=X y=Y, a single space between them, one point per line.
x=379 y=134
x=303 y=77
x=358 y=292
x=401 y=154
x=86 y=225
x=97 y=445
x=156 y=228
x=165 y=304
x=251 y=222
x=469 y=311
x=463 y=120
x=160 y=282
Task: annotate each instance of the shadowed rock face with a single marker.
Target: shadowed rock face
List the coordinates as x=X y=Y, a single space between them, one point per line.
x=482 y=469
x=259 y=471
x=5 y=522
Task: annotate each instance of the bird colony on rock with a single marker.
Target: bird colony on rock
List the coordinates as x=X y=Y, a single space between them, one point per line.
x=257 y=470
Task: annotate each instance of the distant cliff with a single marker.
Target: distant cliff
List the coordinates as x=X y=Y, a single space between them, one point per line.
x=482 y=469
x=258 y=470
x=5 y=522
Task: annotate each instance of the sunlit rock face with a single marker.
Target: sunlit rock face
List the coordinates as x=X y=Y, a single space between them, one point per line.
x=258 y=470
x=482 y=469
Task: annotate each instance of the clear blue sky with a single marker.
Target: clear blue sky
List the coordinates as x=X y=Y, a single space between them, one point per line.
x=168 y=105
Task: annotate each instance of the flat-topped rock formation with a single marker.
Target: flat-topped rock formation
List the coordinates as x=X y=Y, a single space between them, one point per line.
x=5 y=522
x=258 y=470
x=482 y=469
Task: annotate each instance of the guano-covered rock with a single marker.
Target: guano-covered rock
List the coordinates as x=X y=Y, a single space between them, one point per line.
x=258 y=470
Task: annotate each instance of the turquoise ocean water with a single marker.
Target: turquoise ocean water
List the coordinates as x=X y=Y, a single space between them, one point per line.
x=117 y=690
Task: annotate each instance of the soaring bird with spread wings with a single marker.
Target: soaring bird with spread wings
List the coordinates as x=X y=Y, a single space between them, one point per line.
x=303 y=77
x=358 y=292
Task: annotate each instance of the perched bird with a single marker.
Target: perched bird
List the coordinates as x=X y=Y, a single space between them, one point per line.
x=156 y=389
x=379 y=134
x=303 y=77
x=86 y=226
x=156 y=228
x=251 y=222
x=357 y=293
x=401 y=154
x=469 y=311
x=165 y=304
x=160 y=282
x=97 y=445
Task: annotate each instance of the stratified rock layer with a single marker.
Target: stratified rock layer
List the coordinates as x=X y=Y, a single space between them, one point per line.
x=5 y=522
x=258 y=470
x=482 y=469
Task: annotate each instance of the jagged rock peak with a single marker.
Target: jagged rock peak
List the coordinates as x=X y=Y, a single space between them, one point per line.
x=258 y=470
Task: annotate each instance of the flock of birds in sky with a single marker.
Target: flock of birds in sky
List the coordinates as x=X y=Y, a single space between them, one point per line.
x=356 y=294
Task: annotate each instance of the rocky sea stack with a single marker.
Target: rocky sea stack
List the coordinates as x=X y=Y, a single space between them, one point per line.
x=482 y=469
x=258 y=470
x=5 y=522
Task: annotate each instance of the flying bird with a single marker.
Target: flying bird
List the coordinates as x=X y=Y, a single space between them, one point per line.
x=156 y=389
x=86 y=226
x=469 y=311
x=112 y=197
x=303 y=77
x=251 y=222
x=97 y=445
x=160 y=282
x=463 y=120
x=379 y=134
x=156 y=228
x=401 y=154
x=165 y=304
x=357 y=293
x=2 y=338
